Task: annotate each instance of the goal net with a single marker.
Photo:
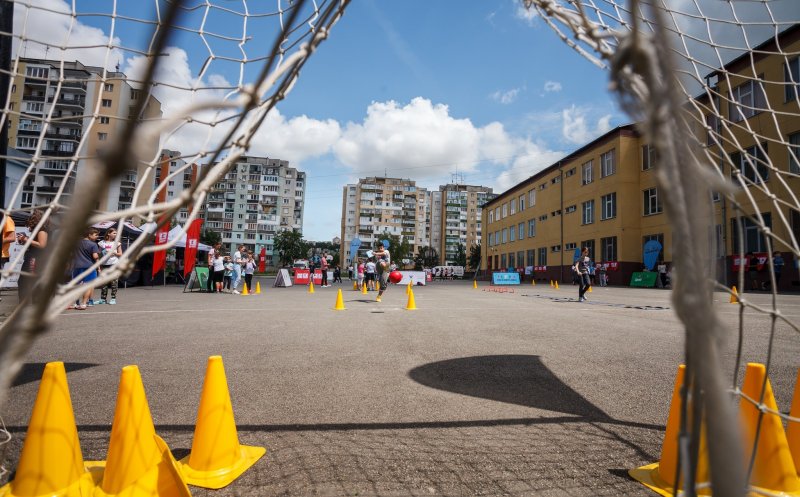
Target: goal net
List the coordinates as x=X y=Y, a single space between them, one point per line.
x=714 y=87
x=90 y=98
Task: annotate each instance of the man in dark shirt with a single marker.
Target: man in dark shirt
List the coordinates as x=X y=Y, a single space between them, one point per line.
x=85 y=256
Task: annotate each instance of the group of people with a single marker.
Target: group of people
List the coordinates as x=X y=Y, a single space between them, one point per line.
x=755 y=267
x=373 y=270
x=227 y=271
x=598 y=273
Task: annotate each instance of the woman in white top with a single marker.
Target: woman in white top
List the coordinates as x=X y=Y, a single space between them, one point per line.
x=111 y=251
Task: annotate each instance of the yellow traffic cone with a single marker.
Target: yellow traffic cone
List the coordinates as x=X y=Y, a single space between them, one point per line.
x=556 y=285
x=258 y=288
x=533 y=282
x=589 y=290
x=551 y=284
x=244 y=290
x=734 y=295
x=139 y=463
x=339 y=301
x=475 y=284
x=364 y=288
x=408 y=288
x=216 y=458
x=773 y=468
x=310 y=286
x=355 y=285
x=411 y=305
x=793 y=428
x=660 y=476
x=51 y=462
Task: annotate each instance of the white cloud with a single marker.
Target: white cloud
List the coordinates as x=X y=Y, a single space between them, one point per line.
x=576 y=129
x=51 y=32
x=529 y=15
x=505 y=97
x=552 y=86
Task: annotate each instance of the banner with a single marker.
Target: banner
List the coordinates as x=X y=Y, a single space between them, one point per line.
x=160 y=257
x=262 y=260
x=354 y=246
x=318 y=276
x=197 y=279
x=301 y=276
x=190 y=252
x=651 y=250
x=644 y=279
x=762 y=260
x=503 y=278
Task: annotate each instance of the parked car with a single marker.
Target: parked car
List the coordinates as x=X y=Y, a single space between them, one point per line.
x=300 y=264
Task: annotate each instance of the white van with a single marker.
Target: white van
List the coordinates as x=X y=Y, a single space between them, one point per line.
x=447 y=272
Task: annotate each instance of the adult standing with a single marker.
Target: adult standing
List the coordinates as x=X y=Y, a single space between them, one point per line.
x=752 y=270
x=9 y=236
x=383 y=260
x=237 y=268
x=323 y=265
x=34 y=252
x=582 y=271
x=212 y=253
x=112 y=251
x=87 y=253
x=777 y=266
x=662 y=274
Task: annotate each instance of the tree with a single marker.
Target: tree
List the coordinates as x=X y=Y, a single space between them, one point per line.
x=398 y=247
x=210 y=237
x=475 y=257
x=289 y=245
x=461 y=255
x=426 y=257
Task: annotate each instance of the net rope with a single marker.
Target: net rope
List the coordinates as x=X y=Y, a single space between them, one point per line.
x=671 y=64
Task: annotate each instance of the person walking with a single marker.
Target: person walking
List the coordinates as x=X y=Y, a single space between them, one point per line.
x=111 y=250
x=238 y=260
x=582 y=270
x=212 y=253
x=33 y=254
x=249 y=269
x=337 y=275
x=777 y=266
x=383 y=261
x=323 y=265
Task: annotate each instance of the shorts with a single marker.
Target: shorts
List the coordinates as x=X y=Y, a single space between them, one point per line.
x=383 y=278
x=369 y=276
x=86 y=279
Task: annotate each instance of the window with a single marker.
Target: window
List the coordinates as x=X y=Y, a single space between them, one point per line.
x=505 y=235
x=513 y=207
x=106 y=102
x=659 y=237
x=791 y=72
x=542 y=217
x=491 y=216
x=108 y=87
x=652 y=205
x=569 y=173
x=37 y=72
x=648 y=157
x=608 y=206
x=497 y=213
x=105 y=120
x=556 y=180
x=753 y=237
x=752 y=164
x=505 y=210
x=588 y=212
x=103 y=137
x=713 y=128
x=13 y=88
x=521 y=203
x=608 y=248
x=608 y=164
x=491 y=239
x=555 y=248
x=134 y=94
x=543 y=186
x=570 y=246
x=530 y=257
x=36 y=107
x=571 y=208
x=27 y=142
x=586 y=173
x=511 y=261
x=513 y=234
x=531 y=228
x=532 y=198
x=503 y=261
x=794 y=152
x=747 y=100
x=543 y=256
x=521 y=231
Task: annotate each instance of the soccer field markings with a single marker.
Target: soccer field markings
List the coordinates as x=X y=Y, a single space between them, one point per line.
x=566 y=300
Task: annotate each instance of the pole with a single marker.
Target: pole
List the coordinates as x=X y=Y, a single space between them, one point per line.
x=561 y=217
x=6 y=26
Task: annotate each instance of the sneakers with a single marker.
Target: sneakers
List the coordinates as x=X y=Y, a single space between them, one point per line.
x=112 y=301
x=582 y=299
x=377 y=299
x=101 y=301
x=90 y=303
x=236 y=292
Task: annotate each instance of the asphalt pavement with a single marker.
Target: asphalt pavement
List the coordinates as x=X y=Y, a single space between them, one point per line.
x=518 y=392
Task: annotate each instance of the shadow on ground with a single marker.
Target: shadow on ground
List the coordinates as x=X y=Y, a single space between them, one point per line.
x=32 y=371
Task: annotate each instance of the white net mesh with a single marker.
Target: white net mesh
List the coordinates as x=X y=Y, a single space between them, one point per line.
x=88 y=111
x=714 y=86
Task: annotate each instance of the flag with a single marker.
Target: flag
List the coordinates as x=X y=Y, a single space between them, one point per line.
x=262 y=260
x=190 y=252
x=160 y=257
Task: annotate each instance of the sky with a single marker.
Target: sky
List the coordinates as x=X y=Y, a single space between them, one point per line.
x=415 y=89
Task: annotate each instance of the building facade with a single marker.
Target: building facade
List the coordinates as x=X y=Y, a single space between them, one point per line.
x=75 y=130
x=256 y=199
x=179 y=176
x=378 y=205
x=459 y=219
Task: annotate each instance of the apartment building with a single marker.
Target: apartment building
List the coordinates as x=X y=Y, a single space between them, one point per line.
x=179 y=176
x=86 y=112
x=377 y=205
x=256 y=199
x=460 y=222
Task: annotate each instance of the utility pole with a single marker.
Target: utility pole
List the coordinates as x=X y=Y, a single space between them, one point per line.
x=6 y=26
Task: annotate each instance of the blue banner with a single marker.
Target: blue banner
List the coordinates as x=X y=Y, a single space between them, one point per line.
x=577 y=255
x=354 y=246
x=651 y=250
x=505 y=278
x=385 y=244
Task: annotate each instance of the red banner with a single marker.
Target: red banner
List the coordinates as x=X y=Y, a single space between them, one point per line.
x=317 y=276
x=762 y=260
x=262 y=260
x=301 y=276
x=160 y=257
x=190 y=252
x=612 y=266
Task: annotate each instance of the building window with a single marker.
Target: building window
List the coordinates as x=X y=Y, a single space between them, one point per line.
x=753 y=236
x=503 y=261
x=505 y=210
x=530 y=256
x=491 y=239
x=134 y=94
x=659 y=237
x=608 y=206
x=37 y=72
x=752 y=164
x=513 y=206
x=652 y=205
x=587 y=173
x=588 y=212
x=27 y=142
x=521 y=203
x=497 y=213
x=35 y=107
x=13 y=88
x=648 y=157
x=608 y=248
x=556 y=180
x=531 y=228
x=491 y=216
x=570 y=246
x=543 y=186
x=791 y=72
x=512 y=234
x=794 y=152
x=608 y=164
x=569 y=173
x=106 y=102
x=543 y=256
x=505 y=235
x=105 y=120
x=747 y=100
x=108 y=87
x=555 y=248
x=521 y=230
x=102 y=136
x=571 y=208
x=532 y=198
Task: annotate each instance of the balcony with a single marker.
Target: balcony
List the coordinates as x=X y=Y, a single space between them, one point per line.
x=33 y=98
x=68 y=102
x=50 y=153
x=127 y=184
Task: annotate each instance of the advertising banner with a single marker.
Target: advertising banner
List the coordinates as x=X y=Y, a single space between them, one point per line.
x=762 y=261
x=160 y=257
x=190 y=252
x=301 y=276
x=262 y=260
x=505 y=278
x=645 y=279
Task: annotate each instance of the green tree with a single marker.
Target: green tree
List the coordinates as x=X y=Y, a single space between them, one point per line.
x=475 y=257
x=427 y=257
x=461 y=256
x=398 y=247
x=290 y=245
x=210 y=237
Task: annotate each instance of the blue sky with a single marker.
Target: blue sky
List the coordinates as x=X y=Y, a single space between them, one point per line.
x=419 y=89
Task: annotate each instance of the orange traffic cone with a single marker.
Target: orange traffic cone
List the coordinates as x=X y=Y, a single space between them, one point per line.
x=556 y=285
x=734 y=295
x=793 y=427
x=364 y=288
x=589 y=290
x=355 y=285
x=244 y=290
x=339 y=302
x=411 y=305
x=51 y=462
x=551 y=284
x=258 y=288
x=773 y=468
x=216 y=458
x=475 y=284
x=139 y=463
x=310 y=286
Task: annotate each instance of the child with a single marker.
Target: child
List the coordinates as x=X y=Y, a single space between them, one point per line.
x=360 y=273
x=227 y=275
x=337 y=275
x=249 y=269
x=219 y=271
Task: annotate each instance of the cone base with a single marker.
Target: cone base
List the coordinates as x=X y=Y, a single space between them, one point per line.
x=83 y=487
x=219 y=478
x=648 y=476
